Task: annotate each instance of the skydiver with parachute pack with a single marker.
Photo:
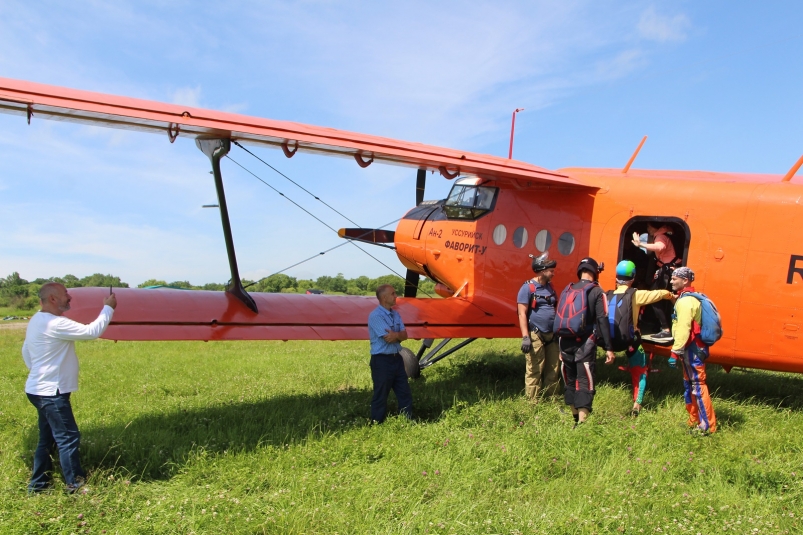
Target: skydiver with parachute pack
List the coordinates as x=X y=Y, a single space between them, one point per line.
x=581 y=322
x=624 y=305
x=536 y=302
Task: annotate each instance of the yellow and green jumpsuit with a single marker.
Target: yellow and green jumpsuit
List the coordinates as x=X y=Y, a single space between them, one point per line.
x=692 y=352
x=637 y=363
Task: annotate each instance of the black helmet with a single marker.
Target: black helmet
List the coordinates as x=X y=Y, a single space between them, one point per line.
x=540 y=263
x=590 y=265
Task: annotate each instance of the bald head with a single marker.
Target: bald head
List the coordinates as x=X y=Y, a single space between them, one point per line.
x=382 y=289
x=386 y=294
x=54 y=298
x=50 y=288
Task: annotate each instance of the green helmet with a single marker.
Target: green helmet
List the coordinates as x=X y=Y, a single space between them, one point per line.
x=625 y=270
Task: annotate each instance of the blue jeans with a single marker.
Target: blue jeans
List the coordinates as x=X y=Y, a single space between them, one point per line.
x=57 y=427
x=387 y=372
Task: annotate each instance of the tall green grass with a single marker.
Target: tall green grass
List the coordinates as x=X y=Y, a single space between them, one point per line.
x=272 y=437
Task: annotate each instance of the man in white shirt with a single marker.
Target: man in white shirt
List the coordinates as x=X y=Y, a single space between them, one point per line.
x=49 y=354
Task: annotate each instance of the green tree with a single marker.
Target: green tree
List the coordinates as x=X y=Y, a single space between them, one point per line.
x=100 y=280
x=339 y=284
x=361 y=282
x=277 y=283
x=152 y=282
x=426 y=288
x=181 y=284
x=214 y=286
x=324 y=283
x=394 y=280
x=353 y=290
x=13 y=280
x=305 y=284
x=69 y=281
x=14 y=291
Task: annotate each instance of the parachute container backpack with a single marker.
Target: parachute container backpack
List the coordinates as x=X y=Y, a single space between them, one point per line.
x=620 y=318
x=710 y=320
x=570 y=317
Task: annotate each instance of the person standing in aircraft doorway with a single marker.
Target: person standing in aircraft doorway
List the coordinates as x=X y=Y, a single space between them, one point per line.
x=536 y=309
x=386 y=332
x=692 y=353
x=581 y=322
x=666 y=261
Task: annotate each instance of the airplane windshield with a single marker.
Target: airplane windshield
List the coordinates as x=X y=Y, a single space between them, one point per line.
x=469 y=202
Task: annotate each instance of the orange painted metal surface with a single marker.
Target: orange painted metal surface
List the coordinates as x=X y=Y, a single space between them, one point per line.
x=52 y=102
x=167 y=314
x=744 y=242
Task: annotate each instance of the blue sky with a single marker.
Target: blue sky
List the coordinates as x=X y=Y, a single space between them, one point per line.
x=716 y=86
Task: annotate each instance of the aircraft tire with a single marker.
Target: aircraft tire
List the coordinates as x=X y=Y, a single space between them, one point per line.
x=410 y=363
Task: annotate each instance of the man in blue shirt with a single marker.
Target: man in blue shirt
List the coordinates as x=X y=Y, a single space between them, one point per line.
x=538 y=343
x=386 y=330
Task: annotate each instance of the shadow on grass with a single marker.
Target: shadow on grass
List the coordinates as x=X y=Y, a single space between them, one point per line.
x=774 y=390
x=157 y=445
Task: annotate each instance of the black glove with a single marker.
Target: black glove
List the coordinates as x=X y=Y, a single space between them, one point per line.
x=526 y=344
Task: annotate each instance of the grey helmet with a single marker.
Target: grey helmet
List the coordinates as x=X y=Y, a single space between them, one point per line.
x=542 y=262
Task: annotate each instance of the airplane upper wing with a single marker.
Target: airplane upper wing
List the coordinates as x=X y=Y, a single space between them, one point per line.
x=52 y=102
x=170 y=314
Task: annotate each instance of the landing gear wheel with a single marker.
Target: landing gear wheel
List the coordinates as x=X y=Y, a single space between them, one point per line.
x=410 y=363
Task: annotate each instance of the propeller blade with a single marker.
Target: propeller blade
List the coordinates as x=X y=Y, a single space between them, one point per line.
x=420 y=183
x=411 y=283
x=367 y=235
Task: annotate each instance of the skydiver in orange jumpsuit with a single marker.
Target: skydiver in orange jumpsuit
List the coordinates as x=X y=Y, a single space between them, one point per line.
x=692 y=352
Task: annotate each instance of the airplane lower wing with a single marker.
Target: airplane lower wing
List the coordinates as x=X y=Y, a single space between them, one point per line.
x=170 y=314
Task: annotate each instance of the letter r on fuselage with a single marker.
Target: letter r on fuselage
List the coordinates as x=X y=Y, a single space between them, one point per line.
x=793 y=260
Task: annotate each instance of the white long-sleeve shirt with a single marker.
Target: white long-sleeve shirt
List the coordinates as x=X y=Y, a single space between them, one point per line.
x=49 y=350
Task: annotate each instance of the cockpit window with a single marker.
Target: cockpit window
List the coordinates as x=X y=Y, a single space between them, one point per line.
x=469 y=202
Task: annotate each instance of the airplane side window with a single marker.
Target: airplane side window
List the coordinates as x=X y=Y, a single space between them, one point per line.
x=469 y=202
x=566 y=243
x=520 y=237
x=543 y=240
x=485 y=197
x=499 y=235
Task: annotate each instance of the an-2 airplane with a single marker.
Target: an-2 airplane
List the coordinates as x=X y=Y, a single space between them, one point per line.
x=739 y=232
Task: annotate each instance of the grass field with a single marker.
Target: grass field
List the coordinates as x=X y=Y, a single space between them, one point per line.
x=272 y=437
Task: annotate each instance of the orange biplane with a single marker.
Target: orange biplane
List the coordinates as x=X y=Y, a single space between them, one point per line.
x=737 y=231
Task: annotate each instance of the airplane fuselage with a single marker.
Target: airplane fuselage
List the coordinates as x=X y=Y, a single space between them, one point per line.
x=740 y=236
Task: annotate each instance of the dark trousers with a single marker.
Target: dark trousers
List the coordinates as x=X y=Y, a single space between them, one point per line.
x=578 y=364
x=57 y=428
x=387 y=372
x=663 y=308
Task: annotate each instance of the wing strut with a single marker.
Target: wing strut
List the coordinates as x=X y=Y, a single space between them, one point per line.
x=216 y=149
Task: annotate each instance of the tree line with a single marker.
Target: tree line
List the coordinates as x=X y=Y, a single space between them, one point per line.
x=20 y=293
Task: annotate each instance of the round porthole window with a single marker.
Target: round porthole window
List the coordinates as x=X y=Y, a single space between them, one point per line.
x=543 y=240
x=520 y=237
x=566 y=243
x=500 y=233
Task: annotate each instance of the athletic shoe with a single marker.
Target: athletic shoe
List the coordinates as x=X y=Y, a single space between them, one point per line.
x=78 y=486
x=663 y=335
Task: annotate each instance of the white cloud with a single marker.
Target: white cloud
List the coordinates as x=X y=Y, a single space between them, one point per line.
x=188 y=96
x=442 y=73
x=663 y=28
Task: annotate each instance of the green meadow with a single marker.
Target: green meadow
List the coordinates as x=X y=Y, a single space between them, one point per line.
x=273 y=437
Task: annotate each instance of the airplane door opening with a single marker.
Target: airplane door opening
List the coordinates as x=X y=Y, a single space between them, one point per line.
x=648 y=265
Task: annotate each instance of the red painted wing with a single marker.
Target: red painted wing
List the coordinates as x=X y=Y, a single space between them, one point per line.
x=40 y=101
x=168 y=314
